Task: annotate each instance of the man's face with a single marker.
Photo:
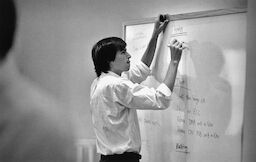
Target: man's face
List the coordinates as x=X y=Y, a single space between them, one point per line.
x=121 y=62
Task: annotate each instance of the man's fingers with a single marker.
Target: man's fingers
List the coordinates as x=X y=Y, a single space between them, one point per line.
x=161 y=18
x=177 y=44
x=173 y=41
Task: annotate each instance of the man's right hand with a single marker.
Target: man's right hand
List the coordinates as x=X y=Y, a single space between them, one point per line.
x=160 y=24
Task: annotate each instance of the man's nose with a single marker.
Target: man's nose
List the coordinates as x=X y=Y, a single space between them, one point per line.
x=128 y=55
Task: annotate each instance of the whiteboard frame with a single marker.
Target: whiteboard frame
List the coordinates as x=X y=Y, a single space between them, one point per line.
x=191 y=15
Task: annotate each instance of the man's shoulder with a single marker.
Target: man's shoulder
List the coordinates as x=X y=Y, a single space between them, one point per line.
x=111 y=82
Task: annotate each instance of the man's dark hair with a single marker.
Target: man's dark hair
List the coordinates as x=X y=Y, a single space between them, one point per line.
x=7 y=26
x=105 y=51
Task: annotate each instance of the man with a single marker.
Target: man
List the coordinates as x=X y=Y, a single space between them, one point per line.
x=33 y=127
x=116 y=94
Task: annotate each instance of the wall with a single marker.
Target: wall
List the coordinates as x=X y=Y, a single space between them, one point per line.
x=55 y=38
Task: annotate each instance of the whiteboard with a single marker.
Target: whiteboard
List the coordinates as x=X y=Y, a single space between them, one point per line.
x=205 y=118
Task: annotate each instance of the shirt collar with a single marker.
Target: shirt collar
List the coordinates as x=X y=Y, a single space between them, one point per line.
x=110 y=73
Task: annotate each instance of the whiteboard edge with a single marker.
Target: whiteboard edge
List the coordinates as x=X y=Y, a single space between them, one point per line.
x=191 y=15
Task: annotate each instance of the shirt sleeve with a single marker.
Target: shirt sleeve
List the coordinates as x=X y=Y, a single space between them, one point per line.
x=137 y=96
x=137 y=73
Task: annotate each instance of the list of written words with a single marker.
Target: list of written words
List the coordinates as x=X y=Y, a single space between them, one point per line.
x=191 y=123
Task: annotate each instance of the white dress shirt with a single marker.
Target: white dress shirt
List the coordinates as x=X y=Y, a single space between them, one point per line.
x=114 y=101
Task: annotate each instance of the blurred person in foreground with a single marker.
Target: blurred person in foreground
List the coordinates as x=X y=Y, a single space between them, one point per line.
x=33 y=125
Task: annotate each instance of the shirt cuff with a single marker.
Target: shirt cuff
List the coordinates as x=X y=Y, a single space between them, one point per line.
x=144 y=68
x=164 y=90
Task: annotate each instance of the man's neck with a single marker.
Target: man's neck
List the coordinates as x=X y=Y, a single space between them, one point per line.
x=116 y=72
